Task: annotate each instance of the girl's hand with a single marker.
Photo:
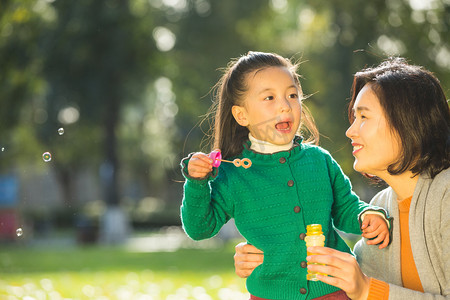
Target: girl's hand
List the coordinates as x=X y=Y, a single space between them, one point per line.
x=376 y=230
x=200 y=165
x=246 y=259
x=344 y=269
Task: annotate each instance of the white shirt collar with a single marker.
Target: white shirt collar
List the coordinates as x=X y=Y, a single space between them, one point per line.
x=266 y=147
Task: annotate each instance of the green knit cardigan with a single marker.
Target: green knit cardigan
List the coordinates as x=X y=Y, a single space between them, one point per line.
x=272 y=202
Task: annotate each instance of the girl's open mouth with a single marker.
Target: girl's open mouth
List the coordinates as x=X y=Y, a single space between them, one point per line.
x=283 y=126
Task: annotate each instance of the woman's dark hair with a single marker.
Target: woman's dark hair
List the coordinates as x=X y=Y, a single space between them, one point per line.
x=417 y=111
x=228 y=135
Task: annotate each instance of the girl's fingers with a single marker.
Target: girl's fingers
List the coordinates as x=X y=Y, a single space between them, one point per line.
x=199 y=165
x=195 y=167
x=378 y=240
x=385 y=243
x=365 y=223
x=372 y=232
x=384 y=240
x=201 y=157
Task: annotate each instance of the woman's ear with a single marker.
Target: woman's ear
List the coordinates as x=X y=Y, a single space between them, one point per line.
x=240 y=115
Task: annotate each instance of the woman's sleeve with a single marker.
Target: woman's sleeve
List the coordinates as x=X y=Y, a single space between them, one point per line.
x=378 y=290
x=369 y=262
x=400 y=293
x=202 y=215
x=441 y=264
x=370 y=259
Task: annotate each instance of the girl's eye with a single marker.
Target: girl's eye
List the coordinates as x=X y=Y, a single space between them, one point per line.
x=293 y=96
x=269 y=98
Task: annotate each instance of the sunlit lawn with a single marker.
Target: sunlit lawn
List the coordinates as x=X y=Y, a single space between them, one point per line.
x=100 y=272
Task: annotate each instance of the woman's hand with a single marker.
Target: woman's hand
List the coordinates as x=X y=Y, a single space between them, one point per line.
x=246 y=259
x=200 y=165
x=343 y=270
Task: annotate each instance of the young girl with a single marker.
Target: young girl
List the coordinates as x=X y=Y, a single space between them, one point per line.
x=289 y=184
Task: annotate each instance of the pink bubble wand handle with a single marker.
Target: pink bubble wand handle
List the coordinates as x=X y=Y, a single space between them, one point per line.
x=216 y=156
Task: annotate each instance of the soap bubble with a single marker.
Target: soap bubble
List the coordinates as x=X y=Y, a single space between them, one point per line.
x=3 y=149
x=61 y=131
x=47 y=156
x=19 y=231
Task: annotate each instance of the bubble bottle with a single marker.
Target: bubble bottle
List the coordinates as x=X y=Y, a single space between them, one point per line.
x=314 y=237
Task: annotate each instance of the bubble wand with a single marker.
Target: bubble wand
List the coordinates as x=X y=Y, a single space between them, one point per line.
x=216 y=156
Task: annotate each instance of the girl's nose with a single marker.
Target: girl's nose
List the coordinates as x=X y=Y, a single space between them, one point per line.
x=285 y=105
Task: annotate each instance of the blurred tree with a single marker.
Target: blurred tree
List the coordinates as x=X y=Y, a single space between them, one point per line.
x=98 y=57
x=20 y=28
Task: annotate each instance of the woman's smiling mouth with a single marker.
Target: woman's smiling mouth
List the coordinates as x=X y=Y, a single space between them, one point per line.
x=356 y=147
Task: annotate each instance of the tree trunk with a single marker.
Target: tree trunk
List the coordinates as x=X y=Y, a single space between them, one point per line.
x=114 y=223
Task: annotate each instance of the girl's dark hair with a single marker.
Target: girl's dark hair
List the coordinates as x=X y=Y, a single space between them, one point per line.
x=416 y=110
x=228 y=135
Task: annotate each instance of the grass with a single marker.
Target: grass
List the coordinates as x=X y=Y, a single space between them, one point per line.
x=100 y=272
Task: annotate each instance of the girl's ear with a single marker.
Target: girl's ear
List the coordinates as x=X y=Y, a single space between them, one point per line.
x=240 y=115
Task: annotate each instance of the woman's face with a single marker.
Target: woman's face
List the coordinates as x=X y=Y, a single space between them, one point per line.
x=375 y=145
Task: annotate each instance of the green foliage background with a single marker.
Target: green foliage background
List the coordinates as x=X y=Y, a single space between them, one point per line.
x=139 y=74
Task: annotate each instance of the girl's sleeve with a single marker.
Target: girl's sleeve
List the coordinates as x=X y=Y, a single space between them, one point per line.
x=202 y=215
x=347 y=207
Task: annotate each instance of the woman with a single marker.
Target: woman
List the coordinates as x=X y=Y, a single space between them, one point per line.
x=400 y=134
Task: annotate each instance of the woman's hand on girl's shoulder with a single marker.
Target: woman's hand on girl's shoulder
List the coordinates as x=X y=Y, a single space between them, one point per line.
x=200 y=165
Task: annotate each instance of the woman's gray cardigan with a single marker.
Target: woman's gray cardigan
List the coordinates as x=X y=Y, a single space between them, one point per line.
x=429 y=230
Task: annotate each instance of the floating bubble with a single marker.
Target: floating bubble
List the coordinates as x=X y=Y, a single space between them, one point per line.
x=19 y=231
x=47 y=156
x=61 y=131
x=3 y=149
